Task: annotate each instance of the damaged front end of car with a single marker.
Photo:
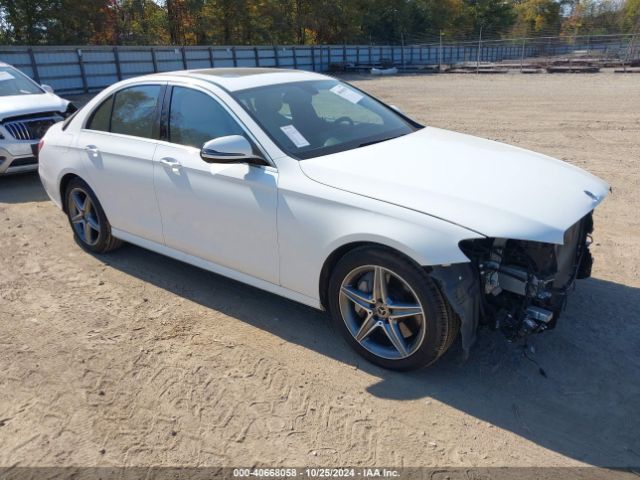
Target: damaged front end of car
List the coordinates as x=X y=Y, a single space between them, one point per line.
x=517 y=286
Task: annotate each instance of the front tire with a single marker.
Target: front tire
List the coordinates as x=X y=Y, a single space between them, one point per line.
x=389 y=310
x=87 y=218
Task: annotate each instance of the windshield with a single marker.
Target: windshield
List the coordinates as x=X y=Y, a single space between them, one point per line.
x=314 y=118
x=13 y=82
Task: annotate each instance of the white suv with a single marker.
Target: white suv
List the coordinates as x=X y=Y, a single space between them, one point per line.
x=27 y=110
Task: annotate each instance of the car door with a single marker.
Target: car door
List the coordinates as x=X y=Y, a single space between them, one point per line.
x=117 y=144
x=222 y=213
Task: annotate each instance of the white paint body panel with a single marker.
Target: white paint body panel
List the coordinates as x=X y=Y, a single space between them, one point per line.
x=16 y=105
x=225 y=214
x=274 y=227
x=492 y=188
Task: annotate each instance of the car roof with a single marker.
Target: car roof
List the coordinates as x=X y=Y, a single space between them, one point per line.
x=234 y=79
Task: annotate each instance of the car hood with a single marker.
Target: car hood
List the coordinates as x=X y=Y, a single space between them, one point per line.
x=491 y=188
x=16 y=105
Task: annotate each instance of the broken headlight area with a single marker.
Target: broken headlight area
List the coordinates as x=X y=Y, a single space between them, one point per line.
x=520 y=287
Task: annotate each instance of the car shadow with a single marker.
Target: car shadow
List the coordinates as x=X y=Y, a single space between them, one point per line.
x=583 y=407
x=22 y=188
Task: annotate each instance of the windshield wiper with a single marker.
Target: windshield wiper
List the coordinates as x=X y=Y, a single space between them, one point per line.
x=380 y=140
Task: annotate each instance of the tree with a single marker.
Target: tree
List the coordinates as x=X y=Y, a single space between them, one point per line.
x=189 y=22
x=28 y=20
x=536 y=17
x=631 y=16
x=493 y=17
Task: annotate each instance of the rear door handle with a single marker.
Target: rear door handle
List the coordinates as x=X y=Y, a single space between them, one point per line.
x=172 y=163
x=93 y=150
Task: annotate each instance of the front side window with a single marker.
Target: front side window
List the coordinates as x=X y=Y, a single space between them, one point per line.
x=195 y=118
x=313 y=118
x=14 y=82
x=134 y=110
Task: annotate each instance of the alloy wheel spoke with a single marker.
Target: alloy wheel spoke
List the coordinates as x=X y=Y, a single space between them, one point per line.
x=77 y=202
x=368 y=325
x=395 y=337
x=359 y=298
x=87 y=232
x=380 y=285
x=77 y=218
x=86 y=207
x=93 y=224
x=403 y=310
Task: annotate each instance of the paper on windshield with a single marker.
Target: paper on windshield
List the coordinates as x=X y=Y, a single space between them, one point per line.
x=295 y=136
x=346 y=93
x=6 y=76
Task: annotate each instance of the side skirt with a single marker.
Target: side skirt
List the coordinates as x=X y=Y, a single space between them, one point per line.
x=219 y=269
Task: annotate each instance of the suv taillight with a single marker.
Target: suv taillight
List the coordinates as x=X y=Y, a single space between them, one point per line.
x=40 y=145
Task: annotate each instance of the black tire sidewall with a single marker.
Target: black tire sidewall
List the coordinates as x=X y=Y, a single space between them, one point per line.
x=436 y=319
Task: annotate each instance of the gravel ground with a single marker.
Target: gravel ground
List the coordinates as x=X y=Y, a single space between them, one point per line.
x=135 y=359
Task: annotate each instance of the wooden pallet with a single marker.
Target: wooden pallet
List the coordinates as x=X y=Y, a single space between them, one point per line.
x=627 y=70
x=482 y=70
x=573 y=69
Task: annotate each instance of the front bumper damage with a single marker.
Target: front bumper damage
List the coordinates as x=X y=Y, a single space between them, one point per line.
x=519 y=287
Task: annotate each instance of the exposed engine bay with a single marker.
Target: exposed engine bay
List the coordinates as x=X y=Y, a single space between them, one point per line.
x=519 y=287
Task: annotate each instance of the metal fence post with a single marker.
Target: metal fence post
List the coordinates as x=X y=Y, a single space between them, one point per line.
x=313 y=58
x=116 y=58
x=34 y=66
x=257 y=57
x=184 y=57
x=295 y=58
x=154 y=59
x=83 y=74
x=440 y=55
x=235 y=57
x=524 y=46
x=211 y=61
x=479 y=51
x=275 y=56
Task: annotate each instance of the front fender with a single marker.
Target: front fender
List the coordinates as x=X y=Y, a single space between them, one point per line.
x=314 y=224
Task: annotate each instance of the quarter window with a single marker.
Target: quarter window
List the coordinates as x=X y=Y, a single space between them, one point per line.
x=100 y=117
x=195 y=118
x=134 y=111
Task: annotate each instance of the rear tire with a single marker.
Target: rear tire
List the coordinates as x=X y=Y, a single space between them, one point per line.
x=390 y=310
x=87 y=218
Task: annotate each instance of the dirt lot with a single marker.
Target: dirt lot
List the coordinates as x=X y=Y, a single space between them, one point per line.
x=136 y=359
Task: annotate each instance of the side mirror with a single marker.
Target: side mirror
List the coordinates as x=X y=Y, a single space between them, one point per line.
x=47 y=88
x=230 y=149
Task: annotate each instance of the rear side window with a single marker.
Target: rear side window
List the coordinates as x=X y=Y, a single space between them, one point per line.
x=134 y=111
x=100 y=117
x=196 y=118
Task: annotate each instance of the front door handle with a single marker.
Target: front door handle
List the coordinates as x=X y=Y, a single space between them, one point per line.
x=172 y=163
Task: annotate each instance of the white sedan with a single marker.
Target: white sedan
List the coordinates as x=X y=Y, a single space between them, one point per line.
x=304 y=186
